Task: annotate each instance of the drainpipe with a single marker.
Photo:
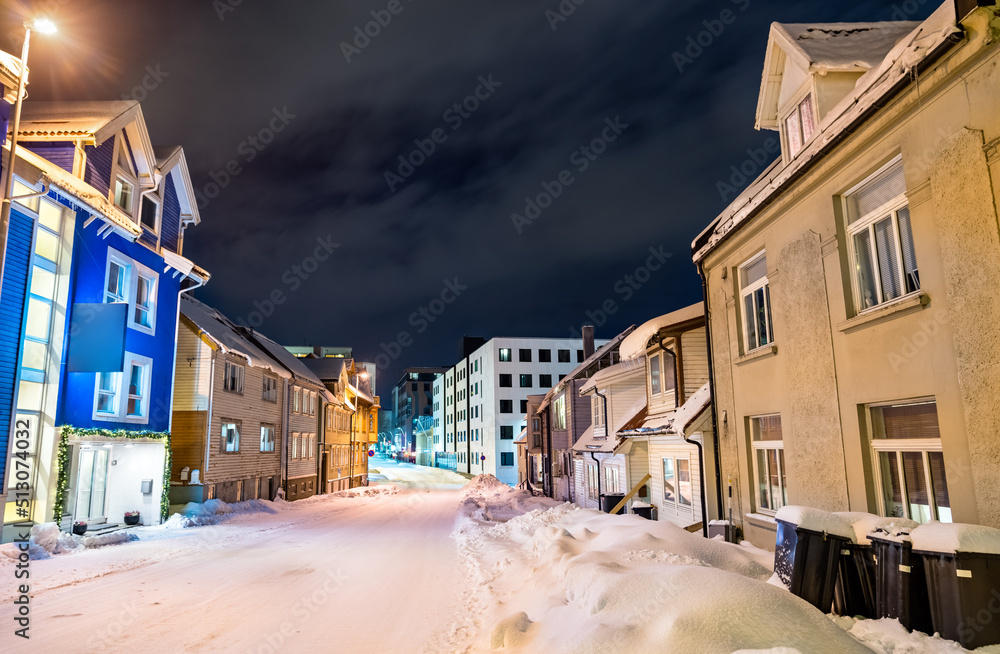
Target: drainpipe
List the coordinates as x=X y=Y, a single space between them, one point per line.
x=607 y=430
x=711 y=385
x=701 y=485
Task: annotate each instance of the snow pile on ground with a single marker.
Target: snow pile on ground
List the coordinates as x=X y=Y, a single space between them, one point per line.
x=488 y=500
x=212 y=512
x=887 y=636
x=567 y=579
x=46 y=539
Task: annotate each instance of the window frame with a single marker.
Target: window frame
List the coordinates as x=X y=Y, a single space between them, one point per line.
x=761 y=445
x=505 y=355
x=122 y=391
x=749 y=291
x=263 y=443
x=795 y=108
x=241 y=377
x=676 y=506
x=223 y=440
x=157 y=217
x=273 y=390
x=525 y=377
x=132 y=271
x=888 y=210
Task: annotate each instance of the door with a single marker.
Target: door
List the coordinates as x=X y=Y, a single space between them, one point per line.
x=92 y=483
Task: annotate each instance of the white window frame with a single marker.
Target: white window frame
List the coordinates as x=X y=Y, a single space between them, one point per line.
x=122 y=395
x=749 y=291
x=593 y=475
x=127 y=175
x=760 y=445
x=889 y=209
x=130 y=288
x=267 y=438
x=796 y=109
x=655 y=367
x=142 y=272
x=612 y=479
x=125 y=263
x=269 y=395
x=675 y=506
x=152 y=197
x=898 y=446
x=240 y=377
x=224 y=444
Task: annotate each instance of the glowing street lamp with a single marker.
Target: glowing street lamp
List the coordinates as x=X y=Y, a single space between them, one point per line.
x=44 y=26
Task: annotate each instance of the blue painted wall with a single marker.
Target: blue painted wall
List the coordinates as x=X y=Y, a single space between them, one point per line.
x=99 y=162
x=90 y=256
x=12 y=301
x=58 y=152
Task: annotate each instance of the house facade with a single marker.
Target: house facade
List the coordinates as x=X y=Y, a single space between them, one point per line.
x=850 y=289
x=104 y=213
x=227 y=413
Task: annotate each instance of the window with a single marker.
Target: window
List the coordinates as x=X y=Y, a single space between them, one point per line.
x=233 y=380
x=563 y=356
x=592 y=481
x=506 y=381
x=505 y=354
x=768 y=463
x=579 y=356
x=545 y=356
x=506 y=458
x=559 y=412
x=297 y=400
x=597 y=410
x=536 y=424
x=117 y=282
x=800 y=125
x=506 y=432
x=544 y=381
x=123 y=195
x=506 y=406
x=909 y=468
x=755 y=300
x=562 y=377
x=145 y=291
x=294 y=445
x=267 y=438
x=525 y=381
x=270 y=391
x=611 y=480
x=124 y=396
x=880 y=239
x=149 y=213
x=654 y=375
x=677 y=487
x=230 y=436
x=524 y=406
x=524 y=355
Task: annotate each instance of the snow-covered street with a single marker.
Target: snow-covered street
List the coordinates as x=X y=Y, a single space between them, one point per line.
x=421 y=564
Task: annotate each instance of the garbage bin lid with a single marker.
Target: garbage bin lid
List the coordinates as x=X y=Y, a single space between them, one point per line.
x=816 y=520
x=949 y=538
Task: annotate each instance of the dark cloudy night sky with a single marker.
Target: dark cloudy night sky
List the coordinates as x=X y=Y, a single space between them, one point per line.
x=221 y=78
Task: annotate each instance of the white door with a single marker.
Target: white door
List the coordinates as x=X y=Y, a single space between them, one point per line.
x=92 y=483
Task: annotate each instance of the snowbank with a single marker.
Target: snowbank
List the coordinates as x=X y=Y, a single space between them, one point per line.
x=816 y=520
x=46 y=539
x=866 y=523
x=489 y=500
x=950 y=538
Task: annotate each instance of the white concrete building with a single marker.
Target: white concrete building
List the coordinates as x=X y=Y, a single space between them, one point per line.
x=484 y=398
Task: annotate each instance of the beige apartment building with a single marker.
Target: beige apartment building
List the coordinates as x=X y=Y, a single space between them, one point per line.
x=853 y=311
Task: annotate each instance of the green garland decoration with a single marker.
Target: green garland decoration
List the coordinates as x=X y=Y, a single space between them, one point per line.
x=63 y=459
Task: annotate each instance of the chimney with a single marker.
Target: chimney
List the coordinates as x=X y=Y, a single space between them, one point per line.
x=588 y=340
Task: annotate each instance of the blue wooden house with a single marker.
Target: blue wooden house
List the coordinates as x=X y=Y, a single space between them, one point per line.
x=105 y=214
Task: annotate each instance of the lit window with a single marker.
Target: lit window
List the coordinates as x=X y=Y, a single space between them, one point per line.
x=230 y=437
x=117 y=278
x=654 y=374
x=678 y=492
x=124 y=396
x=611 y=480
x=123 y=195
x=883 y=259
x=136 y=390
x=800 y=125
x=266 y=438
x=144 y=294
x=107 y=393
x=505 y=354
x=769 y=463
x=755 y=300
x=559 y=412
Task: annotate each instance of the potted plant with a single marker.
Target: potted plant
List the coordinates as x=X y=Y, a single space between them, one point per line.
x=131 y=517
x=79 y=528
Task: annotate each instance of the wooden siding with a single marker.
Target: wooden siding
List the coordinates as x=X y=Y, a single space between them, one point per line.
x=251 y=411
x=187 y=442
x=694 y=358
x=170 y=222
x=300 y=423
x=192 y=381
x=61 y=153
x=659 y=448
x=100 y=161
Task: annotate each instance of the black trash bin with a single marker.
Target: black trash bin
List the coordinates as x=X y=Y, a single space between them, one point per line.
x=854 y=592
x=610 y=501
x=642 y=511
x=964 y=591
x=806 y=561
x=900 y=583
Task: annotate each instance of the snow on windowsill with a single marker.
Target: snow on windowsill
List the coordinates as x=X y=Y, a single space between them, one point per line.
x=908 y=303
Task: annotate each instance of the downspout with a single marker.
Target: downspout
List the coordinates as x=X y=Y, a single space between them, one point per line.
x=607 y=429
x=208 y=421
x=711 y=385
x=701 y=459
x=547 y=455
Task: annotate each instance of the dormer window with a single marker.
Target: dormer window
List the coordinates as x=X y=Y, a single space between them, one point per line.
x=125 y=180
x=149 y=213
x=123 y=195
x=799 y=125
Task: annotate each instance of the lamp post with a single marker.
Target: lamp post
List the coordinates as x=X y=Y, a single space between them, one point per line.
x=45 y=26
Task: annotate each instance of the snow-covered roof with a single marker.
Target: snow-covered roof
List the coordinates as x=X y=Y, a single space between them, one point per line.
x=184 y=266
x=620 y=368
x=588 y=442
x=842 y=46
x=226 y=336
x=170 y=159
x=10 y=73
x=96 y=119
x=326 y=368
x=675 y=422
x=635 y=345
x=872 y=88
x=299 y=371
x=578 y=372
x=522 y=437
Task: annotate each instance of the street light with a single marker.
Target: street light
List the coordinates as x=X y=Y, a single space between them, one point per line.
x=44 y=26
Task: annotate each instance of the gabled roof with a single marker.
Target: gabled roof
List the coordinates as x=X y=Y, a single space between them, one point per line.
x=635 y=345
x=822 y=48
x=226 y=337
x=580 y=370
x=170 y=160
x=326 y=368
x=620 y=368
x=675 y=422
x=916 y=50
x=292 y=363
